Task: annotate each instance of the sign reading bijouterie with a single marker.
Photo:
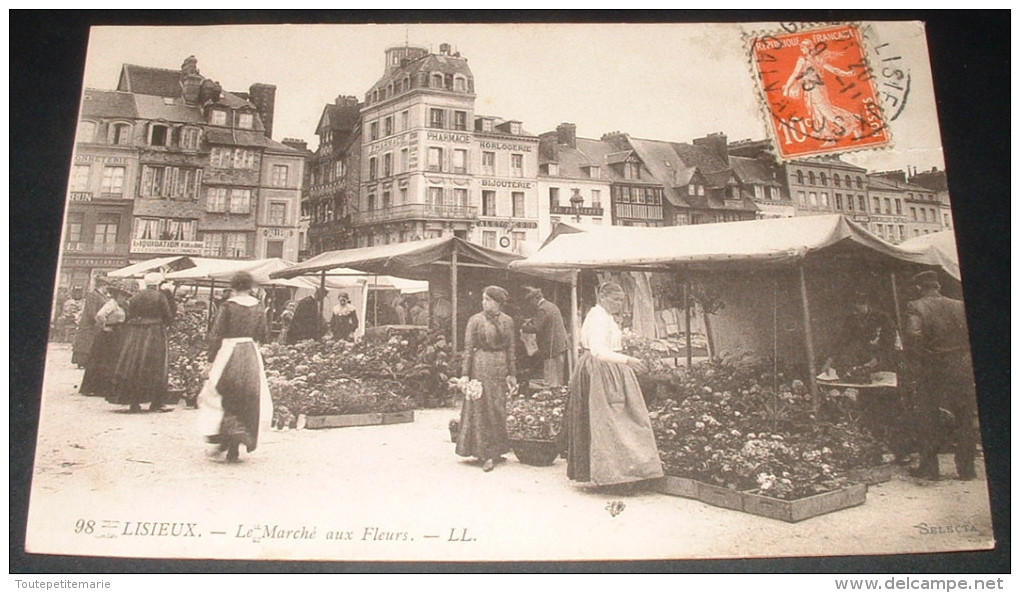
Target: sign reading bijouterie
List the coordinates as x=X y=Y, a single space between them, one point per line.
x=161 y=246
x=504 y=146
x=507 y=184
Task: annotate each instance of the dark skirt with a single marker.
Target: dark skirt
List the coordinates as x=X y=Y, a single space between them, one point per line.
x=141 y=373
x=483 y=421
x=98 y=377
x=609 y=434
x=235 y=404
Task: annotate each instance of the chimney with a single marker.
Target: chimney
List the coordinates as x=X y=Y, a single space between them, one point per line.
x=715 y=144
x=263 y=96
x=191 y=81
x=548 y=146
x=296 y=143
x=444 y=49
x=566 y=134
x=346 y=101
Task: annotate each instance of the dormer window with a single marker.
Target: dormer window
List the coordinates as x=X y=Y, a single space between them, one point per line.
x=486 y=125
x=189 y=138
x=515 y=128
x=436 y=81
x=553 y=168
x=159 y=135
x=593 y=171
x=460 y=84
x=245 y=121
x=218 y=117
x=120 y=133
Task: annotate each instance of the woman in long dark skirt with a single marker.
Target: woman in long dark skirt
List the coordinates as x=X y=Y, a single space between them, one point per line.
x=234 y=404
x=86 y=333
x=140 y=376
x=488 y=357
x=98 y=377
x=609 y=434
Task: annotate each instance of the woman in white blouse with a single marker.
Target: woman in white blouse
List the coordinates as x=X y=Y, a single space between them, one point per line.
x=609 y=435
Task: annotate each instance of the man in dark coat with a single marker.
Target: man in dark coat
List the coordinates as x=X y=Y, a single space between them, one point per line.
x=867 y=342
x=550 y=335
x=87 y=327
x=307 y=322
x=937 y=341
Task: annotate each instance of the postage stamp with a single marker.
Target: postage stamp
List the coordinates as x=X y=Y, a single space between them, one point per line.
x=818 y=91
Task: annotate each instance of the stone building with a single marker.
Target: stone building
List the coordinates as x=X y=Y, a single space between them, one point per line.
x=334 y=181
x=429 y=166
x=572 y=186
x=826 y=185
x=170 y=164
x=935 y=179
x=922 y=208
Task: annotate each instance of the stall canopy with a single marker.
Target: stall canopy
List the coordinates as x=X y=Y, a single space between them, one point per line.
x=222 y=270
x=404 y=260
x=939 y=249
x=137 y=270
x=780 y=240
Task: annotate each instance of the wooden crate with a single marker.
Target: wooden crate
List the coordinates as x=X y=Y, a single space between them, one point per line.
x=370 y=419
x=675 y=486
x=793 y=511
x=721 y=497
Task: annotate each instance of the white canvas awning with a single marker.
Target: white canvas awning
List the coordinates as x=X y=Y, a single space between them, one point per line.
x=938 y=248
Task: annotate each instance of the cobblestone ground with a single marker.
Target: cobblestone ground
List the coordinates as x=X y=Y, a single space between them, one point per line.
x=111 y=484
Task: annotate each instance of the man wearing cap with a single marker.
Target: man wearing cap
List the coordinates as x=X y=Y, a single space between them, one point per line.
x=550 y=335
x=937 y=342
x=87 y=328
x=867 y=343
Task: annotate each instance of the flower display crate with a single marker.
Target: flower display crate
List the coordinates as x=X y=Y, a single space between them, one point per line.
x=871 y=475
x=348 y=420
x=535 y=452
x=790 y=511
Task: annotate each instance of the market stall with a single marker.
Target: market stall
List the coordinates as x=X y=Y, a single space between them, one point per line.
x=451 y=265
x=753 y=420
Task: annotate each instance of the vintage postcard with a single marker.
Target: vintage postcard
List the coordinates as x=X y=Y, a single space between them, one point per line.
x=508 y=292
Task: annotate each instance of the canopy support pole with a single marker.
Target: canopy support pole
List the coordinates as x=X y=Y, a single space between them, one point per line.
x=453 y=295
x=808 y=339
x=322 y=300
x=209 y=319
x=687 y=320
x=575 y=330
x=896 y=300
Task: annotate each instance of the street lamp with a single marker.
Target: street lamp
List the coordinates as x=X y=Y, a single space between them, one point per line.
x=575 y=204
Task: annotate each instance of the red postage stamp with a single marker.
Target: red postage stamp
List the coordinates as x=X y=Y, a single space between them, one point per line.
x=818 y=91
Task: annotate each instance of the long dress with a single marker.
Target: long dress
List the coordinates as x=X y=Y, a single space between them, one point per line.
x=344 y=322
x=488 y=357
x=609 y=434
x=140 y=375
x=234 y=404
x=306 y=324
x=87 y=329
x=98 y=377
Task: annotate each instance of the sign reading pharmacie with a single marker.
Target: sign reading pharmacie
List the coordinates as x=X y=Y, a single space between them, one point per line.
x=167 y=247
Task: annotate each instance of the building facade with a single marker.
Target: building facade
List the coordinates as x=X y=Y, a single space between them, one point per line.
x=334 y=179
x=170 y=164
x=922 y=208
x=430 y=166
x=572 y=186
x=827 y=185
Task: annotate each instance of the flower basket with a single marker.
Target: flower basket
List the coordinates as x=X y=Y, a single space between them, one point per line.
x=535 y=452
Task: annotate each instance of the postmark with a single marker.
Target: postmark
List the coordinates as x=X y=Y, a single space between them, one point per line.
x=817 y=90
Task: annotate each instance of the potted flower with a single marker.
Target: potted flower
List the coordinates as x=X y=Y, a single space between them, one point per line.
x=533 y=423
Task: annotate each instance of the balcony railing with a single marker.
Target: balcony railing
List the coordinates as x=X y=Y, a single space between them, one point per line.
x=414 y=212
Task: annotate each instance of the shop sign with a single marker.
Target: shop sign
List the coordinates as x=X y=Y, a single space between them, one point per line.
x=511 y=146
x=81 y=196
x=448 y=137
x=277 y=233
x=507 y=184
x=99 y=158
x=517 y=224
x=170 y=247
x=862 y=218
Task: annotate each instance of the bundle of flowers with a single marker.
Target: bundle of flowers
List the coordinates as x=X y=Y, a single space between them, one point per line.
x=538 y=416
x=748 y=437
